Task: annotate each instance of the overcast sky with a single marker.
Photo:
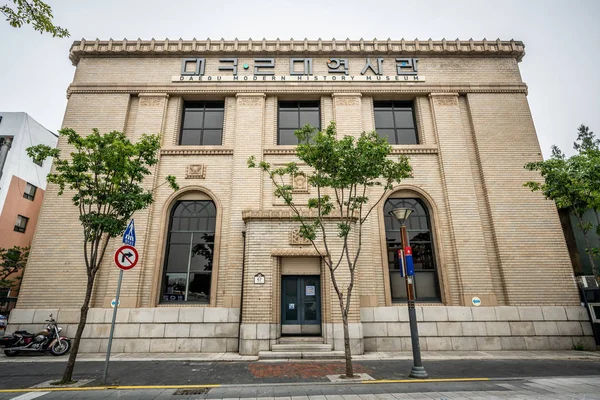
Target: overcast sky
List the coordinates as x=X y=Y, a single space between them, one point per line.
x=562 y=40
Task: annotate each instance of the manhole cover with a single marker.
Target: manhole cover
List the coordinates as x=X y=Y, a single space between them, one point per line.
x=189 y=392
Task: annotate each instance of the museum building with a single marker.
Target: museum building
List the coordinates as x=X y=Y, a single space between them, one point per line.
x=222 y=266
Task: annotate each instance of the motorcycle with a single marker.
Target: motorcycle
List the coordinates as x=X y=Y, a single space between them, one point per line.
x=48 y=339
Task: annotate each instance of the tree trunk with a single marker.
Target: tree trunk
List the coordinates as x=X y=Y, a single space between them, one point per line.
x=347 y=352
x=68 y=374
x=590 y=255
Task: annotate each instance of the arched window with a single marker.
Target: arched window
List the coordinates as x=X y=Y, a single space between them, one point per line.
x=418 y=228
x=190 y=247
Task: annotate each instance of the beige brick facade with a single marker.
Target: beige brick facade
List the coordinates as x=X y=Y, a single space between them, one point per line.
x=493 y=238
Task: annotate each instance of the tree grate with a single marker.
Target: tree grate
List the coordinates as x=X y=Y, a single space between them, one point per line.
x=188 y=392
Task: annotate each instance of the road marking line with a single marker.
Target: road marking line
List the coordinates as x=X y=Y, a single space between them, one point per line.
x=129 y=387
x=29 y=396
x=427 y=380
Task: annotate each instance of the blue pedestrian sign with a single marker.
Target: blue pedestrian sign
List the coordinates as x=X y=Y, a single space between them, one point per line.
x=129 y=235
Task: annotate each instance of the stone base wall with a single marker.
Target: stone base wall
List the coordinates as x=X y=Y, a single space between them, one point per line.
x=478 y=328
x=143 y=330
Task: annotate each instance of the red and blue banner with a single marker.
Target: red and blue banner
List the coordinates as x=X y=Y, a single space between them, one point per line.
x=410 y=267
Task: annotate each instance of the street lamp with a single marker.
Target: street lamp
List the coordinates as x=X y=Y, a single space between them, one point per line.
x=402 y=214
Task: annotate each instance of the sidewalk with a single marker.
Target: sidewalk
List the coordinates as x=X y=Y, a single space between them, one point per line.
x=405 y=355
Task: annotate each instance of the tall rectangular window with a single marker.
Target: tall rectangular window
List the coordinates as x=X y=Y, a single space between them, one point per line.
x=29 y=192
x=202 y=123
x=21 y=224
x=395 y=120
x=293 y=115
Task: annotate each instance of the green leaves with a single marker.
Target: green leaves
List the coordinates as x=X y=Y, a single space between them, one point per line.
x=346 y=167
x=105 y=173
x=573 y=182
x=12 y=261
x=34 y=12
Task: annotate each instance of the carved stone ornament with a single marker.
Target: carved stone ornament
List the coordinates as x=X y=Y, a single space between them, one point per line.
x=195 y=171
x=300 y=183
x=249 y=101
x=151 y=101
x=296 y=239
x=347 y=101
x=446 y=100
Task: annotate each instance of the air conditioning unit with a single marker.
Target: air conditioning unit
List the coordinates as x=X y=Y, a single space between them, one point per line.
x=587 y=281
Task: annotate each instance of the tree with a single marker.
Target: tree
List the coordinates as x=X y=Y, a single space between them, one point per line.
x=105 y=173
x=34 y=12
x=12 y=261
x=574 y=183
x=344 y=173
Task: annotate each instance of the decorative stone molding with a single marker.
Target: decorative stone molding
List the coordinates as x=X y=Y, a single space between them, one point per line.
x=227 y=89
x=300 y=183
x=152 y=99
x=248 y=215
x=195 y=171
x=296 y=239
x=195 y=152
x=414 y=150
x=279 y=152
x=399 y=48
x=417 y=149
x=249 y=101
x=445 y=99
x=347 y=101
x=297 y=252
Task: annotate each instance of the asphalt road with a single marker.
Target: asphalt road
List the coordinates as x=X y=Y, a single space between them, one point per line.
x=142 y=373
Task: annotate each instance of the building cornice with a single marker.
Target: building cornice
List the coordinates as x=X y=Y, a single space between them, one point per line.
x=232 y=89
x=140 y=48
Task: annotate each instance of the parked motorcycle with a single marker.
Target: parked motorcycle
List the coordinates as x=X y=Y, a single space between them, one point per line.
x=48 y=339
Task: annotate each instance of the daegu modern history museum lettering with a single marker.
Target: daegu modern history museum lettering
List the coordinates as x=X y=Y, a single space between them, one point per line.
x=300 y=69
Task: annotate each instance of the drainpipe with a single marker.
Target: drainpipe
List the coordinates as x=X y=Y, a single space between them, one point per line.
x=5 y=144
x=242 y=292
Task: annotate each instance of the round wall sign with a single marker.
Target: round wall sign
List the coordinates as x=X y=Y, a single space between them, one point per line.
x=476 y=301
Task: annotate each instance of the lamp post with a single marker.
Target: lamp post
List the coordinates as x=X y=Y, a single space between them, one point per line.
x=402 y=214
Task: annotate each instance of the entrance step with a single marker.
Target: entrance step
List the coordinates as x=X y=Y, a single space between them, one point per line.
x=301 y=339
x=301 y=347
x=305 y=355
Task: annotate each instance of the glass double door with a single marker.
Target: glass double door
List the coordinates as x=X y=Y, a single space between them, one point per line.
x=300 y=305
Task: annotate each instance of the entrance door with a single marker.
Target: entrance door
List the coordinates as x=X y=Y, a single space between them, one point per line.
x=300 y=305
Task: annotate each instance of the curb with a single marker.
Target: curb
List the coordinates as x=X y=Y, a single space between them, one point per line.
x=212 y=386
x=224 y=386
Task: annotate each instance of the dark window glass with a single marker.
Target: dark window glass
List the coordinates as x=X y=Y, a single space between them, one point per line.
x=190 y=249
x=418 y=228
x=21 y=224
x=395 y=120
x=202 y=123
x=29 y=192
x=293 y=115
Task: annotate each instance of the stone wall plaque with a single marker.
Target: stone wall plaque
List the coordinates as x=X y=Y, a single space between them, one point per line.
x=259 y=279
x=296 y=239
x=195 y=171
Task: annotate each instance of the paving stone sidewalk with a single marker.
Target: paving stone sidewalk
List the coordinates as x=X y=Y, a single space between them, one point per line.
x=562 y=388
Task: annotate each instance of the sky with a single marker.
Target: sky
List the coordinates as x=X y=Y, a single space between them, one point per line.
x=562 y=43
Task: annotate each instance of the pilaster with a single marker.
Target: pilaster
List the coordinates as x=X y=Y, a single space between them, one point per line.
x=465 y=224
x=149 y=118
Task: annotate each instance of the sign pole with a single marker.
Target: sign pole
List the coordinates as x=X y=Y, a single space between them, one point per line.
x=112 y=328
